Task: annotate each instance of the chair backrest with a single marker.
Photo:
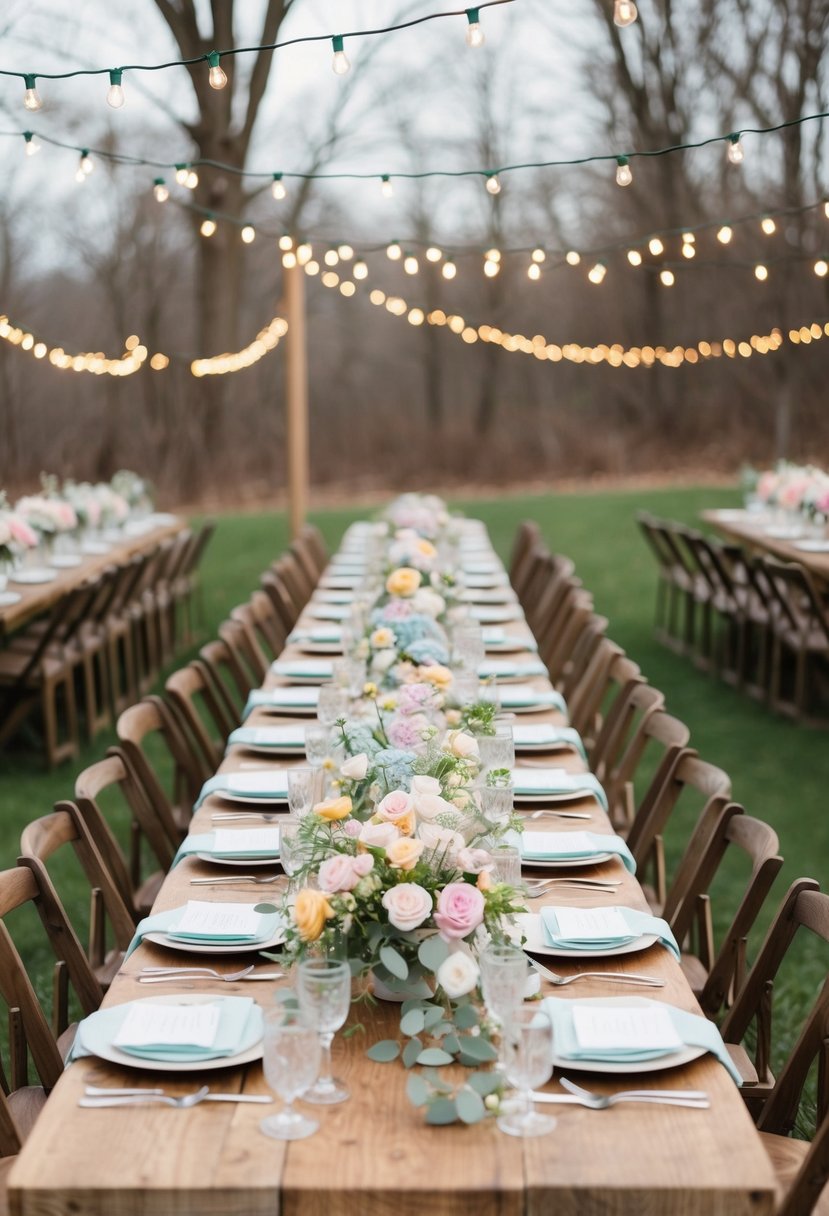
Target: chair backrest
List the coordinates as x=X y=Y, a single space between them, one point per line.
x=581 y=635
x=306 y=561
x=653 y=531
x=42 y=839
x=64 y=621
x=527 y=535
x=275 y=587
x=192 y=696
x=316 y=546
x=804 y=908
x=195 y=552
x=590 y=694
x=230 y=682
x=618 y=749
x=537 y=569
x=547 y=598
x=152 y=719
x=267 y=624
x=796 y=596
x=256 y=657
x=688 y=907
x=297 y=580
x=568 y=610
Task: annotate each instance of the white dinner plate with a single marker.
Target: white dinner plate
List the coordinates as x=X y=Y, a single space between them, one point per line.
x=66 y=561
x=262 y=749
x=495 y=614
x=236 y=861
x=672 y=1059
x=556 y=796
x=536 y=943
x=247 y=1054
x=812 y=546
x=564 y=863
x=40 y=574
x=783 y=533
x=328 y=612
x=95 y=547
x=332 y=596
x=174 y=943
x=252 y=799
x=7 y=598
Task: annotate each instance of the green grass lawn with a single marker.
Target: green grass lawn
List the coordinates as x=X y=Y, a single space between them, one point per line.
x=779 y=771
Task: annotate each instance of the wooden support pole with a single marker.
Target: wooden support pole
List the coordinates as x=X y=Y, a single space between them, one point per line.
x=296 y=397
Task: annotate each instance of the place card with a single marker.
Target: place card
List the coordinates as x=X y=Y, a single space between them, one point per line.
x=555 y=844
x=278 y=736
x=248 y=840
x=590 y=924
x=201 y=919
x=148 y=1025
x=624 y=1028
x=538 y=780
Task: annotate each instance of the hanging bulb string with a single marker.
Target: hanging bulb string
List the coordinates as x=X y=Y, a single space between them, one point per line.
x=488 y=175
x=245 y=50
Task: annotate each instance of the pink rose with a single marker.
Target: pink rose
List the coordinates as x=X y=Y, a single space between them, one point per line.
x=396 y=805
x=363 y=864
x=408 y=905
x=337 y=873
x=378 y=835
x=397 y=610
x=460 y=910
x=21 y=532
x=352 y=827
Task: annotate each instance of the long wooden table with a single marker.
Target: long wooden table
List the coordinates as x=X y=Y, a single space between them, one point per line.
x=752 y=531
x=37 y=598
x=373 y=1155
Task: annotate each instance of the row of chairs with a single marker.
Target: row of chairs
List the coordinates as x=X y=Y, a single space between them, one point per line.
x=102 y=645
x=684 y=830
x=759 y=623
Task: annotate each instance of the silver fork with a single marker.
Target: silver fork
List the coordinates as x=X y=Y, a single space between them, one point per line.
x=153 y=975
x=598 y=884
x=212 y=882
x=678 y=1097
x=147 y=1097
x=538 y=892
x=619 y=977
x=230 y=816
x=559 y=814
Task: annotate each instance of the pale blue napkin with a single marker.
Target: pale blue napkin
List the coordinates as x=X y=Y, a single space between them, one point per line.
x=507 y=669
x=283 y=700
x=254 y=736
x=694 y=1031
x=240 y=1027
x=638 y=922
x=162 y=922
x=204 y=842
x=552 y=846
x=235 y=783
x=303 y=669
x=554 y=736
x=517 y=697
x=528 y=782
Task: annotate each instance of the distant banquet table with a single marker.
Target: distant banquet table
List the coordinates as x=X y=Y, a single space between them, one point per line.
x=758 y=533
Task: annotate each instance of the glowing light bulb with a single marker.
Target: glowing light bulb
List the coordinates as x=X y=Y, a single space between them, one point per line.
x=597 y=273
x=181 y=175
x=331 y=257
x=656 y=247
x=493 y=185
x=217 y=76
x=278 y=189
x=826 y=209
x=689 y=238
x=410 y=264
x=474 y=33
x=208 y=226
x=86 y=164
x=534 y=272
x=625 y=12
x=761 y=272
x=572 y=258
x=248 y=234
x=634 y=257
x=192 y=179
x=360 y=270
x=624 y=174
x=340 y=64
x=394 y=252
x=494 y=255
x=386 y=188
x=735 y=150
x=433 y=254
x=31 y=98
x=115 y=93
x=491 y=268
x=821 y=268
x=538 y=255
x=33 y=144
x=449 y=269
x=289 y=260
x=345 y=252
x=286 y=242
x=667 y=278
x=725 y=234
x=768 y=225
x=688 y=250
x=304 y=252
x=160 y=190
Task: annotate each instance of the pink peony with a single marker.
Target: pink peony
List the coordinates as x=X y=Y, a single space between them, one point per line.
x=21 y=532
x=460 y=910
x=408 y=905
x=397 y=610
x=406 y=732
x=352 y=827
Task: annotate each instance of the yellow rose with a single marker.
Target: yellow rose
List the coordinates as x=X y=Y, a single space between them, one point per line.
x=403 y=581
x=382 y=638
x=333 y=808
x=403 y=854
x=406 y=825
x=311 y=911
x=438 y=675
x=425 y=548
x=484 y=881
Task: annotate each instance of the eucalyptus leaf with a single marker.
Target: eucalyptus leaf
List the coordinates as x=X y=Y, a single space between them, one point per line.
x=394 y=962
x=452 y=1043
x=432 y=952
x=441 y=1111
x=384 y=1051
x=412 y=1022
x=411 y=1052
x=417 y=1089
x=470 y=1106
x=466 y=1016
x=435 y=1056
x=478 y=1049
x=485 y=1082
x=432 y=1014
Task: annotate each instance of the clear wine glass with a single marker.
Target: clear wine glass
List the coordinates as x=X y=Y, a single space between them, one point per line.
x=290 y=849
x=527 y=1047
x=324 y=994
x=498 y=749
x=304 y=788
x=497 y=803
x=332 y=704
x=503 y=981
x=317 y=743
x=506 y=862
x=292 y=1060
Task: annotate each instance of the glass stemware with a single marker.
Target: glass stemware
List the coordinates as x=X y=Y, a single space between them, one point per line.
x=497 y=803
x=498 y=749
x=304 y=788
x=503 y=981
x=324 y=994
x=527 y=1046
x=506 y=862
x=332 y=704
x=291 y=1060
x=290 y=849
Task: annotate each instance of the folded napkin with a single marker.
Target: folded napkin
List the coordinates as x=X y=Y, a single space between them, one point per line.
x=166 y=922
x=484 y=580
x=510 y=669
x=282 y=700
x=253 y=844
x=603 y=928
x=328 y=612
x=567 y=846
x=266 y=783
x=176 y=1038
x=544 y=737
x=692 y=1030
x=495 y=638
x=279 y=738
x=524 y=696
x=303 y=669
x=555 y=782
x=491 y=613
x=331 y=595
x=481 y=566
x=340 y=582
x=488 y=595
x=327 y=635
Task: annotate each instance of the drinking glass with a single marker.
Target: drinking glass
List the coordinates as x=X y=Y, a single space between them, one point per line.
x=506 y=862
x=290 y=849
x=497 y=803
x=317 y=744
x=332 y=704
x=350 y=674
x=466 y=687
x=497 y=750
x=468 y=645
x=292 y=1061
x=324 y=994
x=304 y=789
x=527 y=1047
x=503 y=979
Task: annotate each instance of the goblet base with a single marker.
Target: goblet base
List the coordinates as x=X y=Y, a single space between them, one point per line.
x=289 y=1125
x=526 y=1123
x=327 y=1092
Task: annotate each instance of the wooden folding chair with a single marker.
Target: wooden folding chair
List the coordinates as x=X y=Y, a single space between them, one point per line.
x=295 y=578
x=277 y=590
x=316 y=546
x=201 y=714
x=262 y=624
x=629 y=704
x=151 y=725
x=800 y=633
x=248 y=654
x=527 y=537
x=186 y=586
x=589 y=696
x=230 y=682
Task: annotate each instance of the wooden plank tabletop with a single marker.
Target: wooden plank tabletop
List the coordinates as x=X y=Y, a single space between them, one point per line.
x=752 y=531
x=373 y=1155
x=40 y=597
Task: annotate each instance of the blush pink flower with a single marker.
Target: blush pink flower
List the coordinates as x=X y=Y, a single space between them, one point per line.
x=408 y=905
x=338 y=873
x=460 y=909
x=396 y=805
x=21 y=532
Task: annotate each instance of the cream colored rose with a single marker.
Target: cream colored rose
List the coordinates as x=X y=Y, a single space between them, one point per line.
x=355 y=768
x=458 y=974
x=403 y=581
x=425 y=785
x=408 y=905
x=428 y=602
x=438 y=675
x=377 y=835
x=404 y=853
x=429 y=806
x=459 y=743
x=382 y=638
x=441 y=840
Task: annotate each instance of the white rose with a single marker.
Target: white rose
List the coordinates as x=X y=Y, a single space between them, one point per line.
x=428 y=602
x=408 y=905
x=378 y=835
x=458 y=974
x=383 y=660
x=356 y=767
x=429 y=806
x=442 y=840
x=425 y=785
x=459 y=743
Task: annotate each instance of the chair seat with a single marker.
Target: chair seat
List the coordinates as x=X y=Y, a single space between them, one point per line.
x=694 y=972
x=13 y=665
x=786 y=1156
x=26 y=1104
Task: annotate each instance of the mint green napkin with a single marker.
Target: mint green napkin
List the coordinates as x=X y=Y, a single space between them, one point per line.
x=162 y=922
x=283 y=700
x=529 y=737
x=269 y=785
x=303 y=669
x=553 y=782
x=240 y=1028
x=639 y=923
x=566 y=846
x=276 y=738
x=205 y=843
x=518 y=696
x=694 y=1031
x=508 y=669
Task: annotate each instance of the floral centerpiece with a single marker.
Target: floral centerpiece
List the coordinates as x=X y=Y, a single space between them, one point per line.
x=136 y=491
x=47 y=515
x=85 y=502
x=16 y=536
